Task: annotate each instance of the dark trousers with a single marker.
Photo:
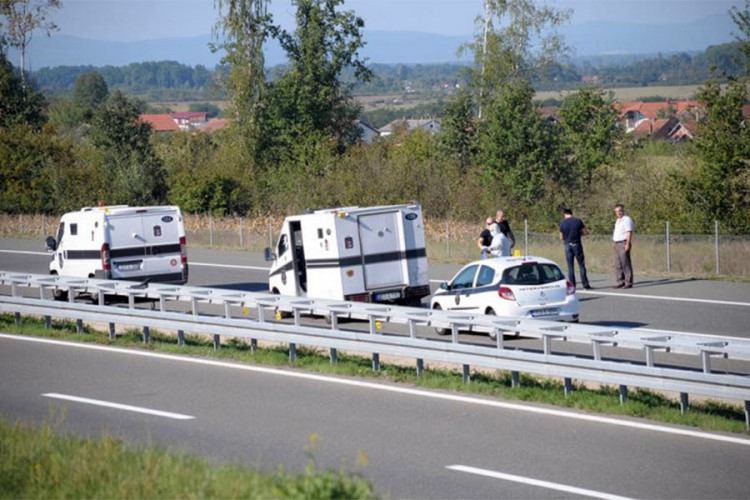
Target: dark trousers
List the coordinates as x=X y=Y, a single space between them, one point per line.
x=575 y=250
x=623 y=266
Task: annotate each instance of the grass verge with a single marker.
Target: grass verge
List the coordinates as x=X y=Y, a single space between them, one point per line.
x=38 y=462
x=645 y=404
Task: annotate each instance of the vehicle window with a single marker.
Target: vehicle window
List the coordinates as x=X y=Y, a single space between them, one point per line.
x=157 y=231
x=283 y=244
x=298 y=238
x=532 y=274
x=60 y=233
x=465 y=278
x=485 y=276
x=74 y=229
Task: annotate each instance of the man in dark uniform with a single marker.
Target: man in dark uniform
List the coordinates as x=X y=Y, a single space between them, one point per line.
x=571 y=231
x=485 y=238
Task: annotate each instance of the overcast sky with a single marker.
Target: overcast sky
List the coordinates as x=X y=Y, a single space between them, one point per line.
x=126 y=20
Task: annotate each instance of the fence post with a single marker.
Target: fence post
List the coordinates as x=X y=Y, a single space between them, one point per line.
x=210 y=230
x=44 y=226
x=447 y=240
x=526 y=237
x=270 y=232
x=716 y=244
x=669 y=263
x=241 y=245
x=20 y=224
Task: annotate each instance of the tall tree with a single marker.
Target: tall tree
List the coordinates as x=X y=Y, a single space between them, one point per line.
x=741 y=18
x=89 y=92
x=515 y=39
x=311 y=97
x=589 y=134
x=124 y=142
x=719 y=186
x=243 y=27
x=458 y=130
x=21 y=19
x=18 y=104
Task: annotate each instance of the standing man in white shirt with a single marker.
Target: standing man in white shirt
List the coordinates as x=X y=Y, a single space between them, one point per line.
x=622 y=238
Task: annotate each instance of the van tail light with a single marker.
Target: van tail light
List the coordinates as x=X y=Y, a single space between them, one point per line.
x=183 y=249
x=571 y=288
x=506 y=293
x=106 y=262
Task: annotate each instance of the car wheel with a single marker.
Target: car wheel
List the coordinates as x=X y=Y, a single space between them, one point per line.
x=441 y=331
x=491 y=312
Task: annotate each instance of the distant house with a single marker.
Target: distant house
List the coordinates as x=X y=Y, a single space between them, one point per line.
x=368 y=133
x=634 y=112
x=664 y=129
x=429 y=125
x=161 y=124
x=190 y=120
x=214 y=125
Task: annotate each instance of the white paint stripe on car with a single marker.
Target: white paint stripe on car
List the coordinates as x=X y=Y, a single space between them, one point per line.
x=387 y=388
x=118 y=406
x=536 y=482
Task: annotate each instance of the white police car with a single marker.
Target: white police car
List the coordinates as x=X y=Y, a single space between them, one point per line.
x=518 y=287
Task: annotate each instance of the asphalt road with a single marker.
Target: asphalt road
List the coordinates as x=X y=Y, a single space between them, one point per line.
x=682 y=304
x=418 y=444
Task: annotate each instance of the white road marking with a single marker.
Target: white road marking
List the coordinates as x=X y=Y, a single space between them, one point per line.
x=118 y=406
x=583 y=292
x=536 y=482
x=661 y=297
x=24 y=252
x=394 y=389
x=229 y=266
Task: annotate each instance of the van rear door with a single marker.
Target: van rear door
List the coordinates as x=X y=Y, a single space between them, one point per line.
x=381 y=250
x=161 y=241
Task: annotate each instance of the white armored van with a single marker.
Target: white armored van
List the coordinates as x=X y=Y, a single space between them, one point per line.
x=374 y=254
x=122 y=243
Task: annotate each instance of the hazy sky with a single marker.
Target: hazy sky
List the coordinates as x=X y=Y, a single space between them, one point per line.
x=126 y=20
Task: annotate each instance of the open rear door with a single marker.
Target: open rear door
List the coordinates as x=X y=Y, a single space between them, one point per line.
x=380 y=242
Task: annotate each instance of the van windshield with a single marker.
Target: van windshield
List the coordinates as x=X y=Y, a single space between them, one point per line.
x=532 y=274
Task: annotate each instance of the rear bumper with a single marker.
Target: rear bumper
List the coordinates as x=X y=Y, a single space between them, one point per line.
x=170 y=278
x=401 y=295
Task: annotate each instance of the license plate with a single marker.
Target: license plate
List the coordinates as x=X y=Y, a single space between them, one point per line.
x=387 y=296
x=545 y=312
x=128 y=267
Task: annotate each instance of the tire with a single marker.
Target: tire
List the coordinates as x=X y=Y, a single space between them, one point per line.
x=491 y=312
x=61 y=295
x=441 y=331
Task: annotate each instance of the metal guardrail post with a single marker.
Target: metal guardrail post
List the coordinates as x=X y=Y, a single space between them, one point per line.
x=241 y=240
x=420 y=367
x=146 y=334
x=466 y=374
x=292 y=352
x=567 y=386
x=684 y=402
x=217 y=341
x=623 y=394
x=515 y=379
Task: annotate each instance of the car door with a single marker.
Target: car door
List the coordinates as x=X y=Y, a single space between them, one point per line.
x=460 y=289
x=482 y=293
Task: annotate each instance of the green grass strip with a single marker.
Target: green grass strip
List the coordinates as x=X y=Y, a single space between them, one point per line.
x=40 y=462
x=709 y=415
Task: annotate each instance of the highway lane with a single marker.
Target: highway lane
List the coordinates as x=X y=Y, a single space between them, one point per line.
x=410 y=437
x=685 y=305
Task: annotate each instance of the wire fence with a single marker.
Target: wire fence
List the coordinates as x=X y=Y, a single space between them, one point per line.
x=673 y=251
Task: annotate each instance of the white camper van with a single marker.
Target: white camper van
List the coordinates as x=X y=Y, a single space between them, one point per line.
x=123 y=243
x=374 y=254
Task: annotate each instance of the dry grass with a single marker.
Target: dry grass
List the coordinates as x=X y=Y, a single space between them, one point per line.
x=633 y=93
x=455 y=242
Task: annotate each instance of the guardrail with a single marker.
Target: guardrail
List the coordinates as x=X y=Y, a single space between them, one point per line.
x=265 y=324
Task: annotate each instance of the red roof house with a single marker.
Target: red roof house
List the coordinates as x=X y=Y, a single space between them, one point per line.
x=160 y=123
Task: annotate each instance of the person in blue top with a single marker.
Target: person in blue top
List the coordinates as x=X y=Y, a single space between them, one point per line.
x=571 y=231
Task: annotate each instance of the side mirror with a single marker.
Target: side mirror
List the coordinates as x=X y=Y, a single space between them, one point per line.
x=269 y=255
x=444 y=286
x=50 y=243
